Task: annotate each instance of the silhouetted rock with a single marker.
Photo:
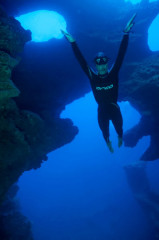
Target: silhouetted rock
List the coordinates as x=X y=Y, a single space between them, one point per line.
x=142 y=91
x=12 y=40
x=13 y=225
x=26 y=138
x=149 y=200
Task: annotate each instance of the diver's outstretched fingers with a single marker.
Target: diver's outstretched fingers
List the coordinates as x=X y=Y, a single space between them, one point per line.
x=68 y=36
x=132 y=19
x=130 y=24
x=63 y=32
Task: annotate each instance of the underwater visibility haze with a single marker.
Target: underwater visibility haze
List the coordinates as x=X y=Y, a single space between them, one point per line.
x=83 y=191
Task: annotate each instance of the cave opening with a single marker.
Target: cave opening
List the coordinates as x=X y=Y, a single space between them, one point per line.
x=153 y=35
x=43 y=24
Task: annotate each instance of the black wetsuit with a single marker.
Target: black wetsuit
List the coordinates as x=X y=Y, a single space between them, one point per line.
x=105 y=90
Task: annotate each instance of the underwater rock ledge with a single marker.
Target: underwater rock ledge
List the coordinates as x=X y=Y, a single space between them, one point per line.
x=142 y=91
x=147 y=198
x=12 y=41
x=26 y=138
x=13 y=225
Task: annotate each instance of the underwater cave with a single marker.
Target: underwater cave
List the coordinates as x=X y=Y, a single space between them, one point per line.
x=58 y=178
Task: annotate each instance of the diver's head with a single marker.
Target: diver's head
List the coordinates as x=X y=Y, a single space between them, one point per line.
x=101 y=61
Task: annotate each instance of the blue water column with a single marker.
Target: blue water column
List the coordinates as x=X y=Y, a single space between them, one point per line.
x=43 y=24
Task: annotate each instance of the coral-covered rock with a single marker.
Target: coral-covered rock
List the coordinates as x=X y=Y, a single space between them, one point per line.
x=142 y=91
x=149 y=200
x=26 y=138
x=12 y=40
x=25 y=141
x=7 y=87
x=13 y=36
x=13 y=225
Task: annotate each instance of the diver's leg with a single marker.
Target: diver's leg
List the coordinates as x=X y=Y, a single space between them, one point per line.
x=103 y=122
x=117 y=121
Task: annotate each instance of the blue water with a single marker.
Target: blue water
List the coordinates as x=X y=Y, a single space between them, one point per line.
x=81 y=192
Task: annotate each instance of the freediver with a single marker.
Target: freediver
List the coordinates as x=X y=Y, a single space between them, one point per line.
x=104 y=84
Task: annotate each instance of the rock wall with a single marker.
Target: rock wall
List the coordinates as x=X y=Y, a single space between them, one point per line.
x=148 y=199
x=142 y=91
x=12 y=41
x=13 y=225
x=26 y=138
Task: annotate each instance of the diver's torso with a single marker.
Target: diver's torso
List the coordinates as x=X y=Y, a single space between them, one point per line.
x=105 y=88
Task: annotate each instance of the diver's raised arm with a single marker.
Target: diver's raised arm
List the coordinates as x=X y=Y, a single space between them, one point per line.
x=78 y=54
x=123 y=45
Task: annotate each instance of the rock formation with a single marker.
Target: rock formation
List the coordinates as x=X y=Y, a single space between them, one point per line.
x=26 y=138
x=13 y=225
x=12 y=41
x=148 y=199
x=141 y=90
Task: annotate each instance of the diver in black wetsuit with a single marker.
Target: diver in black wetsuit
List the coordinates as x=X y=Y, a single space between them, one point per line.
x=104 y=85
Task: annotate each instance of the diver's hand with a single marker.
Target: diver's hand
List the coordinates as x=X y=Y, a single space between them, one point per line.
x=130 y=24
x=68 y=36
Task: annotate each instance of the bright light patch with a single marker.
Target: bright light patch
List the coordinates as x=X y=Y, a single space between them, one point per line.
x=133 y=1
x=138 y=1
x=43 y=24
x=153 y=35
